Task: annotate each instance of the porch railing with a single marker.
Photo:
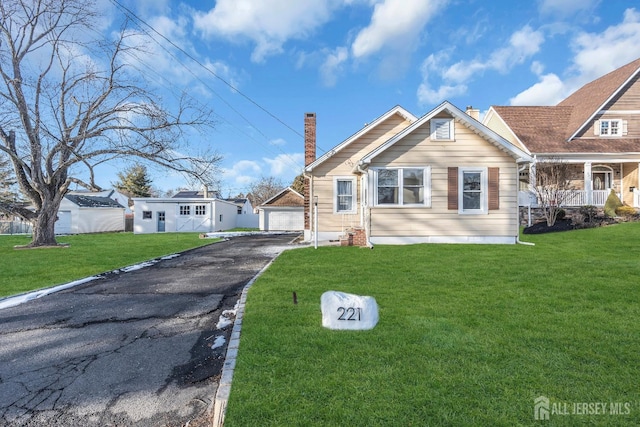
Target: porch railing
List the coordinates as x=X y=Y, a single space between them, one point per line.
x=574 y=198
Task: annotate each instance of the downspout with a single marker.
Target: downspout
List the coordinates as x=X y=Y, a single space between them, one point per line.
x=518 y=241
x=366 y=211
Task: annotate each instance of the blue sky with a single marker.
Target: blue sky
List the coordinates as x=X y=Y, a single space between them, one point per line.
x=349 y=61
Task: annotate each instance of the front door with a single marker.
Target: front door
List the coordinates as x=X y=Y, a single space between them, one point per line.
x=601 y=180
x=161 y=222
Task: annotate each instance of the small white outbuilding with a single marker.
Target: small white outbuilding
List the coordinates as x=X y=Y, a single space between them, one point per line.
x=202 y=215
x=89 y=214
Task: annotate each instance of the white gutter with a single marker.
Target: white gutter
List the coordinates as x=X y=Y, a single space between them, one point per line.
x=518 y=241
x=365 y=219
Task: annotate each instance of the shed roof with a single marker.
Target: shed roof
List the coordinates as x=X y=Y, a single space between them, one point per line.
x=93 y=201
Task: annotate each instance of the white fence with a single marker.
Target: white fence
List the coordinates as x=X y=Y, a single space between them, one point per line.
x=573 y=198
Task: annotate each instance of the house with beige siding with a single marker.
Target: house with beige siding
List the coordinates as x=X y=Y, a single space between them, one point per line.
x=596 y=130
x=440 y=178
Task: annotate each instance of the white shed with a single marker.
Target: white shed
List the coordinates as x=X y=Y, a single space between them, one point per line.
x=283 y=212
x=89 y=214
x=157 y=215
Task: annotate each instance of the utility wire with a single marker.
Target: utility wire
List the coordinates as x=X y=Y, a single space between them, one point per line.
x=206 y=68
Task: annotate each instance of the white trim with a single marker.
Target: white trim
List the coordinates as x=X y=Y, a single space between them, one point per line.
x=368 y=127
x=610 y=122
x=426 y=177
x=282 y=192
x=410 y=240
x=620 y=112
x=354 y=191
x=484 y=190
x=489 y=135
x=615 y=92
x=433 y=129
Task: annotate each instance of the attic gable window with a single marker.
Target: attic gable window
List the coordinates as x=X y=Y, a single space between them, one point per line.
x=403 y=186
x=610 y=127
x=442 y=129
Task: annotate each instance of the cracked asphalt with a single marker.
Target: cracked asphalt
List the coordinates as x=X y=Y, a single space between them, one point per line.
x=128 y=349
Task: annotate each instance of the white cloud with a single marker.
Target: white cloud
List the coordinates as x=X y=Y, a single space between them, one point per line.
x=278 y=142
x=595 y=55
x=395 y=24
x=564 y=8
x=267 y=23
x=333 y=65
x=548 y=91
x=523 y=44
x=242 y=173
x=286 y=165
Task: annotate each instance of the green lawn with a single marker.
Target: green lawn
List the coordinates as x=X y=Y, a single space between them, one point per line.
x=469 y=335
x=23 y=270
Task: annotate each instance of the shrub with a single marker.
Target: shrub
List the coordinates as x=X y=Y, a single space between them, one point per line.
x=612 y=203
x=589 y=212
x=561 y=214
x=625 y=211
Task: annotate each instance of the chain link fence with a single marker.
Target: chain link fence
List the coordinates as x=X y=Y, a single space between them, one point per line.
x=15 y=227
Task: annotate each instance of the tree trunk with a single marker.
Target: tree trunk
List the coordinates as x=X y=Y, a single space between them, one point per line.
x=44 y=225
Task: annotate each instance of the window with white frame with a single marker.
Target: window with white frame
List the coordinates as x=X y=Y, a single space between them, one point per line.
x=407 y=186
x=442 y=129
x=201 y=210
x=344 y=191
x=611 y=127
x=472 y=190
x=185 y=210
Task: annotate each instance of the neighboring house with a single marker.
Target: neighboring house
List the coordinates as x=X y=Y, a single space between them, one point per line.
x=81 y=213
x=246 y=218
x=440 y=178
x=204 y=215
x=283 y=212
x=596 y=129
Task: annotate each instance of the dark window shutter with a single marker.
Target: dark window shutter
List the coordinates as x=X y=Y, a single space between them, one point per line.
x=494 y=189
x=452 y=196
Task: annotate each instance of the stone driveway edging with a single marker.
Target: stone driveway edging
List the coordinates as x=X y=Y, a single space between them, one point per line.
x=224 y=387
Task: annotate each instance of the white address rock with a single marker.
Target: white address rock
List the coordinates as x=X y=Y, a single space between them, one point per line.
x=348 y=311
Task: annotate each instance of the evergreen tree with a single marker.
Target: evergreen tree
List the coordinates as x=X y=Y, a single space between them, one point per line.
x=298 y=184
x=134 y=182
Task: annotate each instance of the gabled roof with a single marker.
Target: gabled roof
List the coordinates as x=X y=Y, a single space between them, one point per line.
x=552 y=129
x=287 y=197
x=237 y=201
x=463 y=118
x=592 y=97
x=370 y=126
x=93 y=201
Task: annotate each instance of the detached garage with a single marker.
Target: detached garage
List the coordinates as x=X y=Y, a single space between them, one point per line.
x=283 y=212
x=89 y=214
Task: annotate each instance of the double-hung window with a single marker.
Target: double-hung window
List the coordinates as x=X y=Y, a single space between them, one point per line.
x=403 y=186
x=344 y=195
x=472 y=191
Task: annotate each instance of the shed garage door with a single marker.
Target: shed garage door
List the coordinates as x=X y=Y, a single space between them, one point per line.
x=63 y=224
x=284 y=219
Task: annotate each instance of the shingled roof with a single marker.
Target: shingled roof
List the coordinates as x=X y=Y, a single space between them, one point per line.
x=93 y=201
x=547 y=129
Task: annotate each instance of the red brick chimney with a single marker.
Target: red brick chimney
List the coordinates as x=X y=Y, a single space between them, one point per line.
x=309 y=157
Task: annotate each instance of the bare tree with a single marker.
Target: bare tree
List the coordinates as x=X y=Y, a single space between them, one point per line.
x=69 y=102
x=551 y=182
x=264 y=189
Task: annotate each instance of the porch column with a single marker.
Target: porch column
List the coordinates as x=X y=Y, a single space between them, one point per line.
x=588 y=187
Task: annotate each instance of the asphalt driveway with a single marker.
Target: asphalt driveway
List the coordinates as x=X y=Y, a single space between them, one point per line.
x=131 y=348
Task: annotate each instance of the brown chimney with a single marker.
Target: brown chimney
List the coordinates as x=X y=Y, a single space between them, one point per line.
x=309 y=157
x=309 y=138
